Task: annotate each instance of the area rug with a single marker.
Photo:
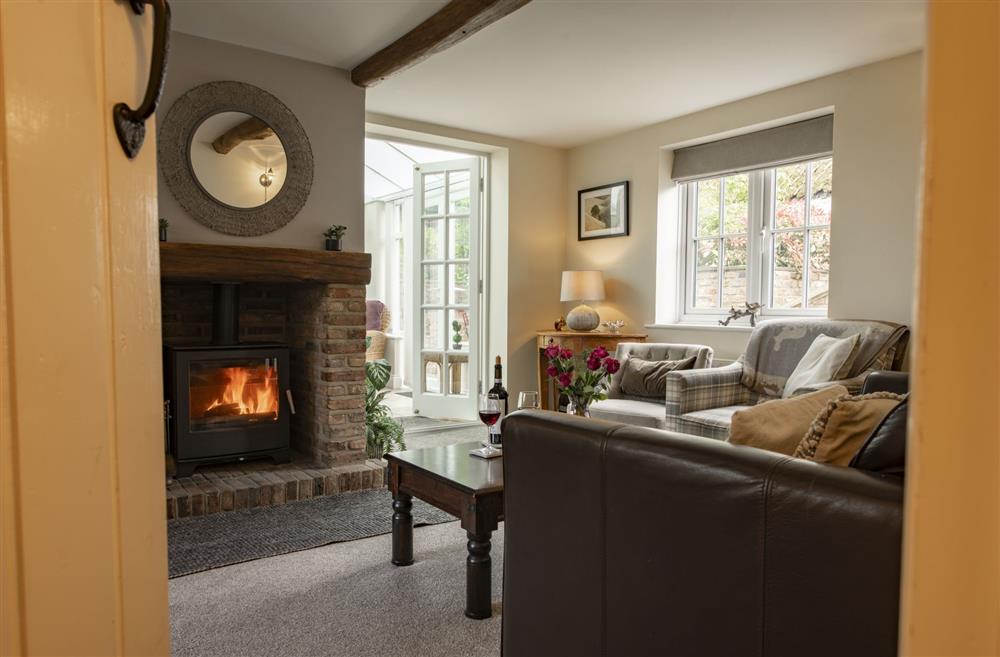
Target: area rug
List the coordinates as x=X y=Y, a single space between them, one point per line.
x=207 y=542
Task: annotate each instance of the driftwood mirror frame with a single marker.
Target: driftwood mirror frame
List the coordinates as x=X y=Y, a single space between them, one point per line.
x=174 y=144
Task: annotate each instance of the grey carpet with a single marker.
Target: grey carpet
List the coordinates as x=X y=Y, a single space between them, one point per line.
x=344 y=599
x=205 y=542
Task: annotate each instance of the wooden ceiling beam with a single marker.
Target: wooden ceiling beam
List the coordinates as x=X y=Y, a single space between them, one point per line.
x=455 y=22
x=249 y=130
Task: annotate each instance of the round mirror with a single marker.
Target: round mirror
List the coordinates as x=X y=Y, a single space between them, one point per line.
x=238 y=159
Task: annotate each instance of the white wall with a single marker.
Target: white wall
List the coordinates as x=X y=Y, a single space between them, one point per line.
x=377 y=243
x=877 y=153
x=331 y=111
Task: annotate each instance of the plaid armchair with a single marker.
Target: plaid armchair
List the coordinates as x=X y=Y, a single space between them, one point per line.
x=702 y=402
x=644 y=411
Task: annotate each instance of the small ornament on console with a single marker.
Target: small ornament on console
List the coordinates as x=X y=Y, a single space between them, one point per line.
x=614 y=326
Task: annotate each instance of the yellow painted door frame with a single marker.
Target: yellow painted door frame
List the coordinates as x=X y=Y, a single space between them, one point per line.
x=951 y=555
x=81 y=444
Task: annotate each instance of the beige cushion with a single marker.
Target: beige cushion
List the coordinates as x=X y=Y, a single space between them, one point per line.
x=824 y=361
x=778 y=425
x=648 y=378
x=841 y=429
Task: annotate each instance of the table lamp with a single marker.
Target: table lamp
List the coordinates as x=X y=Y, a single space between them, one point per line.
x=582 y=286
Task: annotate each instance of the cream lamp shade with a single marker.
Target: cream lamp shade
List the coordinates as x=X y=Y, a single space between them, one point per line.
x=582 y=286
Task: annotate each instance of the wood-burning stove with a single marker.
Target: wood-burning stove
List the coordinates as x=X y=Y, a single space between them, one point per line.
x=227 y=401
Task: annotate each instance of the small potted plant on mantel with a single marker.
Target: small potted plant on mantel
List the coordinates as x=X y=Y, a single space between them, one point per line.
x=333 y=236
x=164 y=224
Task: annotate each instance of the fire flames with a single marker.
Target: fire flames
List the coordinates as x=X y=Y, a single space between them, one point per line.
x=244 y=396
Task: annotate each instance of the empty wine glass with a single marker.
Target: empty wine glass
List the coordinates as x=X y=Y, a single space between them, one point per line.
x=527 y=399
x=489 y=413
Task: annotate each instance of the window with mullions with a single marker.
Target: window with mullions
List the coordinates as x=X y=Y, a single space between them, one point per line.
x=759 y=236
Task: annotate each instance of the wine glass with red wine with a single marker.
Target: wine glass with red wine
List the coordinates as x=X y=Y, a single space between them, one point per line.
x=489 y=413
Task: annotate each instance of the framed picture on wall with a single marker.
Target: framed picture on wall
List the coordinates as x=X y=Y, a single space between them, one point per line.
x=602 y=211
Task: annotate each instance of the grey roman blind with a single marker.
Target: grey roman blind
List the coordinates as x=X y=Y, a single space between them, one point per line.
x=756 y=150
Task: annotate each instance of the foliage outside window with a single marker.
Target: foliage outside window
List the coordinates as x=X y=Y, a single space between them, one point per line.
x=759 y=236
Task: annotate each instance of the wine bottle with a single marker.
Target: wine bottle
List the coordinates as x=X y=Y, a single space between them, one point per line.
x=496 y=438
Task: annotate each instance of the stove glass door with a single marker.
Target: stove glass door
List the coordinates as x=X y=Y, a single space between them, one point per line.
x=229 y=393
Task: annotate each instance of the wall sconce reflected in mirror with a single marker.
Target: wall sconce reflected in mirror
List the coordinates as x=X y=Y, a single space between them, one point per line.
x=265 y=180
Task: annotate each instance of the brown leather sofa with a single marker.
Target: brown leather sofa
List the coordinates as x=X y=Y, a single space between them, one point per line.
x=623 y=541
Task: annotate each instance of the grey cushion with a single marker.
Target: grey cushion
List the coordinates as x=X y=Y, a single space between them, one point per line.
x=630 y=411
x=648 y=378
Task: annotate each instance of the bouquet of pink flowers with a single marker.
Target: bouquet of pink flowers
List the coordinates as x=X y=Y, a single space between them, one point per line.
x=582 y=388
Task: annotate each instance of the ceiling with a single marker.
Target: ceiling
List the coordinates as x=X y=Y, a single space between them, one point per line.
x=565 y=72
x=389 y=166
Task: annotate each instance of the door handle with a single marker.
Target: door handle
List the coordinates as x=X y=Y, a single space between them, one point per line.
x=130 y=124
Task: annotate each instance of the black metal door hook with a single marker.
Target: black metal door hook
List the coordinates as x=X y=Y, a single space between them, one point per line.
x=130 y=124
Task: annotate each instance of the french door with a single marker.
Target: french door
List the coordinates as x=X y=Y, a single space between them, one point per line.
x=446 y=291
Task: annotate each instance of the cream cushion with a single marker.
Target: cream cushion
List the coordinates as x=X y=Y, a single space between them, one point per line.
x=630 y=411
x=823 y=361
x=778 y=425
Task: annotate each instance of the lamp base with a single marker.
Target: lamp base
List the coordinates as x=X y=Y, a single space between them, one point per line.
x=583 y=318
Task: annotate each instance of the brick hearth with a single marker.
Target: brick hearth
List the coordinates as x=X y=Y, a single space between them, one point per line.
x=232 y=487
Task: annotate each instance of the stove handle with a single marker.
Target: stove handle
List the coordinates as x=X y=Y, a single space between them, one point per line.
x=291 y=403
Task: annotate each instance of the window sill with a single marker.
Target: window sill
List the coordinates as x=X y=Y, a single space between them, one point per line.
x=696 y=326
x=713 y=325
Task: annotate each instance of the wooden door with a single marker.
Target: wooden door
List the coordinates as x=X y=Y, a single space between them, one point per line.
x=84 y=567
x=950 y=595
x=445 y=317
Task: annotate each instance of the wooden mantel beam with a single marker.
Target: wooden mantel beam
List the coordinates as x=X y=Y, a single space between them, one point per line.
x=180 y=262
x=455 y=22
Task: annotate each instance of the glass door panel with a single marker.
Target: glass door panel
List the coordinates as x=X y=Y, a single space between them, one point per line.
x=446 y=267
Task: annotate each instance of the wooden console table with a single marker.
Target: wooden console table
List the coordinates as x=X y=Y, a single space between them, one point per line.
x=577 y=342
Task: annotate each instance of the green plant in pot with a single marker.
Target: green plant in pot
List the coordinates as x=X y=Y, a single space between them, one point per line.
x=163 y=224
x=382 y=432
x=456 y=338
x=333 y=236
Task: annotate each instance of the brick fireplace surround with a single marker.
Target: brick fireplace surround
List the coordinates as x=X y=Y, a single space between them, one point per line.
x=313 y=301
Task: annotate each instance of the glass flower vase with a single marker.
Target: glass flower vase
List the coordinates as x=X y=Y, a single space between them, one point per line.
x=578 y=407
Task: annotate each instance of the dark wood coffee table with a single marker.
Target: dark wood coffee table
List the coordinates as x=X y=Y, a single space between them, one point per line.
x=467 y=487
